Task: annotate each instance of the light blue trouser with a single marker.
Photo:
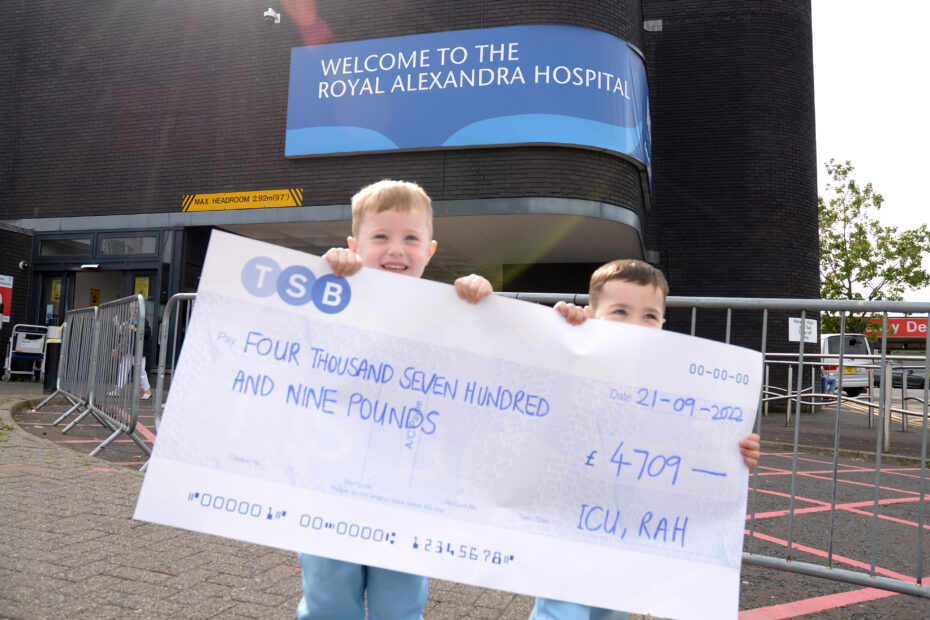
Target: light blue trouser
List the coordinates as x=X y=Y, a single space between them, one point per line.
x=548 y=609
x=335 y=590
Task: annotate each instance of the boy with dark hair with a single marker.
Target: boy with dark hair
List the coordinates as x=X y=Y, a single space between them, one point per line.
x=627 y=291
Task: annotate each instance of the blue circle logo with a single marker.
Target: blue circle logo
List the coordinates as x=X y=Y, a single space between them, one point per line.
x=331 y=294
x=296 y=285
x=260 y=276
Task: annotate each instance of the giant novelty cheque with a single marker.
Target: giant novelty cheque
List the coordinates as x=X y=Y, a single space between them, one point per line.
x=380 y=419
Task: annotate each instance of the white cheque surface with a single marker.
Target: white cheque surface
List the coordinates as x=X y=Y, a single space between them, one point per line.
x=493 y=444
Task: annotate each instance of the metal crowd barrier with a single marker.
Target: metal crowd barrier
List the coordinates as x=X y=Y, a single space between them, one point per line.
x=796 y=392
x=170 y=337
x=76 y=360
x=179 y=306
x=102 y=361
x=119 y=368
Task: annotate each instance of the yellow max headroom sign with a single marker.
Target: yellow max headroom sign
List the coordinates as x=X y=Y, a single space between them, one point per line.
x=293 y=197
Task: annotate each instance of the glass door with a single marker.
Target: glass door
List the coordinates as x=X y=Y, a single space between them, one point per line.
x=145 y=282
x=57 y=297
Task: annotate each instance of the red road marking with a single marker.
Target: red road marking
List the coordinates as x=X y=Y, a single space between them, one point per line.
x=823 y=507
x=830 y=463
x=91 y=441
x=816 y=476
x=836 y=558
x=902 y=472
x=818 y=604
x=50 y=427
x=148 y=435
x=864 y=484
x=887 y=518
x=78 y=411
x=813 y=605
x=783 y=513
x=841 y=469
x=881 y=502
x=797 y=497
x=104 y=469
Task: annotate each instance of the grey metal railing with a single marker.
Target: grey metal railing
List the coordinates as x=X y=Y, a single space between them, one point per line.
x=177 y=314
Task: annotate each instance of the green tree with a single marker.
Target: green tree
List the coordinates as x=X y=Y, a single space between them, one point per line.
x=860 y=258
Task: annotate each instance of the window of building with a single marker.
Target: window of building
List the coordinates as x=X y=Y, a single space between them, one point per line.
x=127 y=245
x=64 y=247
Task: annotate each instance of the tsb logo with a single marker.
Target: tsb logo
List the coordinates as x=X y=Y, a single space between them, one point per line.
x=296 y=285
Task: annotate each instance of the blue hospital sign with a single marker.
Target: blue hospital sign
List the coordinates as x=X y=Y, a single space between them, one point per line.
x=496 y=86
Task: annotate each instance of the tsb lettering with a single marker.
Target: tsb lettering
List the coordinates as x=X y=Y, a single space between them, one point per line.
x=296 y=285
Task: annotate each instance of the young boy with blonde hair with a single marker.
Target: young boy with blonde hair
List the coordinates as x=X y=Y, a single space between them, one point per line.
x=626 y=291
x=392 y=230
x=404 y=210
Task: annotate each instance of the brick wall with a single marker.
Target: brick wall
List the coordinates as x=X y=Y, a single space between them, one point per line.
x=735 y=187
x=14 y=247
x=126 y=107
x=11 y=27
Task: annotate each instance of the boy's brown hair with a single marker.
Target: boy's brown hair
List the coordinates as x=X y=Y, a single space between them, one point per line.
x=627 y=270
x=388 y=195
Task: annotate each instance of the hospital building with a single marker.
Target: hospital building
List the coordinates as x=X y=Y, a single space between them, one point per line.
x=552 y=137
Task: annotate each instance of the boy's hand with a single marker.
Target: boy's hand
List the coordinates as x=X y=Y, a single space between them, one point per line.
x=473 y=288
x=749 y=448
x=575 y=315
x=343 y=261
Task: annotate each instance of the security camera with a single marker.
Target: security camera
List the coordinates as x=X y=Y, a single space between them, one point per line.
x=23 y=265
x=272 y=16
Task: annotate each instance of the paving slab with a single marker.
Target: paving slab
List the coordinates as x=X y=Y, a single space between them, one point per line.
x=71 y=549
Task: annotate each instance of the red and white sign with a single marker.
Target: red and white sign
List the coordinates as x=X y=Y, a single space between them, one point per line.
x=6 y=298
x=901 y=327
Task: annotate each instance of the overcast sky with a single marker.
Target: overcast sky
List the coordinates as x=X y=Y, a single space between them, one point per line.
x=871 y=66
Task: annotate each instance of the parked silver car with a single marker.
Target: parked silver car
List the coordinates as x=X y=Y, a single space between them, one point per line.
x=856 y=368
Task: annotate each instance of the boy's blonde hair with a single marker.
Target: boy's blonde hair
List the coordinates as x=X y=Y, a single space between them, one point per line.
x=626 y=270
x=388 y=195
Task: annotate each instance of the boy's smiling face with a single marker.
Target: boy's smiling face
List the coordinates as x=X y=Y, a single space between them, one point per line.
x=629 y=302
x=395 y=241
